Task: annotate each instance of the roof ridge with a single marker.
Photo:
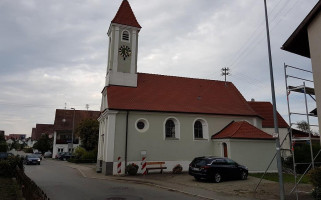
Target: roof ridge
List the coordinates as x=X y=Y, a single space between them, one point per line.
x=204 y=79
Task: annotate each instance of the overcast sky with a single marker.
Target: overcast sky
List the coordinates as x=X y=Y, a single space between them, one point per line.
x=54 y=52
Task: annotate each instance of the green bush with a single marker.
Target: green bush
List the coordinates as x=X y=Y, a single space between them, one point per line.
x=302 y=155
x=83 y=156
x=315 y=178
x=3 y=146
x=131 y=169
x=79 y=152
x=8 y=166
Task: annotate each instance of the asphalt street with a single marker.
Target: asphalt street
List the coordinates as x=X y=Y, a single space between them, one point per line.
x=60 y=182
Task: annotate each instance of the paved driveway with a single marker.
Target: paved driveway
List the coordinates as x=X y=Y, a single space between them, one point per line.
x=61 y=182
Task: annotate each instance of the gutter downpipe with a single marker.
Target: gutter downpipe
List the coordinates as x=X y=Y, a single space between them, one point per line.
x=126 y=140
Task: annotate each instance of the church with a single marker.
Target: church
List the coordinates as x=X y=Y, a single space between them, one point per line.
x=171 y=119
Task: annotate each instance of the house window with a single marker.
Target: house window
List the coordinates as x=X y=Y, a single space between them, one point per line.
x=171 y=128
x=198 y=129
x=142 y=125
x=60 y=150
x=125 y=36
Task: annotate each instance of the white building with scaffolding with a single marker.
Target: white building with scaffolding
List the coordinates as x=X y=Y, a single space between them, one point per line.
x=305 y=41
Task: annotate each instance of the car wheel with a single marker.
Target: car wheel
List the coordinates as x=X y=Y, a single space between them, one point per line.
x=217 y=177
x=243 y=175
x=197 y=178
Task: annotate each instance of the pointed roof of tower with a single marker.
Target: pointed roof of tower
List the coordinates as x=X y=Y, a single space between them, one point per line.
x=125 y=15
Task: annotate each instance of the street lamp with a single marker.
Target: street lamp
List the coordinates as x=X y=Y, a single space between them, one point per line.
x=73 y=129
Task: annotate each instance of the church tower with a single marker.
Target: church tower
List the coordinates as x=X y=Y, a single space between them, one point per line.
x=123 y=46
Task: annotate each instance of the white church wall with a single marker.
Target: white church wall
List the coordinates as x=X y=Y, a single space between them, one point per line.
x=172 y=151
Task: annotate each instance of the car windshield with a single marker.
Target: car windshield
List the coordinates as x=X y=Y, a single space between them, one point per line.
x=33 y=156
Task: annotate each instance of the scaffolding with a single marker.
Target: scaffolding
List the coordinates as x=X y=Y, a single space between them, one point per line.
x=306 y=91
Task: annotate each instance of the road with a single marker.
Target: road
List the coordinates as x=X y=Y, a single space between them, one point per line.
x=61 y=182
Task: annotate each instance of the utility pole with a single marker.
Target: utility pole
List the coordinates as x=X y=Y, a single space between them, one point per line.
x=276 y=128
x=225 y=72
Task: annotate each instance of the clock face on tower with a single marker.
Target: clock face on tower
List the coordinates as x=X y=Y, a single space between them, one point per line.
x=125 y=51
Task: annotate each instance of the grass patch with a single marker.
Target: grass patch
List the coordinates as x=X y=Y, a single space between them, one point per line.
x=9 y=189
x=287 y=178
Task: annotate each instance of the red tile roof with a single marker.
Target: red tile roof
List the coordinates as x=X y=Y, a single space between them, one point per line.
x=43 y=129
x=178 y=94
x=64 y=118
x=265 y=109
x=125 y=15
x=241 y=130
x=301 y=134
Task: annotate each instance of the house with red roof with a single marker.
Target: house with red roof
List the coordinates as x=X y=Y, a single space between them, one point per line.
x=171 y=119
x=42 y=129
x=64 y=127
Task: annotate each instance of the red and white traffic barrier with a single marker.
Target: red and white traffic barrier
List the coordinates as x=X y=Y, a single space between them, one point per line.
x=144 y=172
x=119 y=166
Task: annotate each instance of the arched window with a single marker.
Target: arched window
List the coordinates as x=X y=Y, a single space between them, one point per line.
x=198 y=129
x=170 y=129
x=125 y=36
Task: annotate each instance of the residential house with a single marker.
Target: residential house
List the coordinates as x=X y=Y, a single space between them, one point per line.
x=42 y=129
x=306 y=41
x=171 y=119
x=66 y=122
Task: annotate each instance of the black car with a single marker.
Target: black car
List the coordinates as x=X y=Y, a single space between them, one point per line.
x=216 y=169
x=65 y=156
x=32 y=159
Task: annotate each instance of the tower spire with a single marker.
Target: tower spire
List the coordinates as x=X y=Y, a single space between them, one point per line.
x=126 y=16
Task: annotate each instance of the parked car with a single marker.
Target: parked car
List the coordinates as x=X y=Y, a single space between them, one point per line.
x=59 y=154
x=32 y=159
x=65 y=156
x=5 y=155
x=39 y=154
x=216 y=169
x=47 y=154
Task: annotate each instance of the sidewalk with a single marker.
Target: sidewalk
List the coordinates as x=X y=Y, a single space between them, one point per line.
x=184 y=183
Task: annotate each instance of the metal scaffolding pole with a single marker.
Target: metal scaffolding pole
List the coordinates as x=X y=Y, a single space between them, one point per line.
x=290 y=130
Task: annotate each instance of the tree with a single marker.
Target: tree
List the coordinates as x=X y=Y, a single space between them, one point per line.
x=303 y=126
x=2 y=138
x=88 y=131
x=44 y=144
x=3 y=144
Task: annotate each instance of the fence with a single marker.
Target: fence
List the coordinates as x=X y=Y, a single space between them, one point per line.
x=29 y=188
